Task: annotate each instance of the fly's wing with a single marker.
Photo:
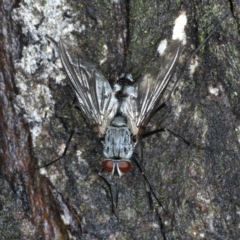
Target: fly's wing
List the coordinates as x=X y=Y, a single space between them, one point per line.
x=144 y=96
x=94 y=93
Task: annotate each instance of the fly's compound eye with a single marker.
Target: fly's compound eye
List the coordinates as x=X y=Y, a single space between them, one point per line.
x=124 y=166
x=108 y=165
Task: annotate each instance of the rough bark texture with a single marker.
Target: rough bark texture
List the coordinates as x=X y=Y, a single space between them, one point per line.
x=198 y=185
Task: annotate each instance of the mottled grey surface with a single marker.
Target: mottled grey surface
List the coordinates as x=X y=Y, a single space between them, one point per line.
x=197 y=185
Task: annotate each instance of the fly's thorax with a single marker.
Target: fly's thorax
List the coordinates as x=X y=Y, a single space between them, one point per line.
x=124 y=86
x=118 y=143
x=127 y=77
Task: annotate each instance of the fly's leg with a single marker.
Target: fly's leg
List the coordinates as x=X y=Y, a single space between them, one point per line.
x=192 y=144
x=195 y=145
x=117 y=194
x=78 y=131
x=64 y=152
x=136 y=161
x=162 y=226
x=178 y=136
x=144 y=135
x=164 y=104
x=110 y=190
x=76 y=104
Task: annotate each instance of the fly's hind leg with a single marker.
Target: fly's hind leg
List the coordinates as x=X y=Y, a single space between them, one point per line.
x=78 y=131
x=64 y=152
x=144 y=135
x=164 y=104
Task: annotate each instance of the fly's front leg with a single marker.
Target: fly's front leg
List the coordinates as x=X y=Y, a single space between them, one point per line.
x=162 y=226
x=136 y=161
x=192 y=144
x=110 y=190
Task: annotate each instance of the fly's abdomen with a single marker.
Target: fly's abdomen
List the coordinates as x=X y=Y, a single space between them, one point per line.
x=118 y=144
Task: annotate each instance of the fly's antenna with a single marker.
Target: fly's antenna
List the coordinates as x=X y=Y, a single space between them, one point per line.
x=195 y=51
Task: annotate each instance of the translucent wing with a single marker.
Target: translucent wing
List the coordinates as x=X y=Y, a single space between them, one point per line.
x=143 y=97
x=94 y=93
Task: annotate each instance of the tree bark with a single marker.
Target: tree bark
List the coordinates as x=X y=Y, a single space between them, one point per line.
x=198 y=185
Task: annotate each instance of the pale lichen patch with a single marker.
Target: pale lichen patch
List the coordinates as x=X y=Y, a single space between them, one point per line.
x=104 y=53
x=193 y=65
x=162 y=46
x=214 y=91
x=43 y=25
x=178 y=29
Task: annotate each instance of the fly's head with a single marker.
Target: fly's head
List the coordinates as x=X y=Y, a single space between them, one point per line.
x=117 y=166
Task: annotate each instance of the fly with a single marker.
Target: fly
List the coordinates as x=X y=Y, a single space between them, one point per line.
x=119 y=115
